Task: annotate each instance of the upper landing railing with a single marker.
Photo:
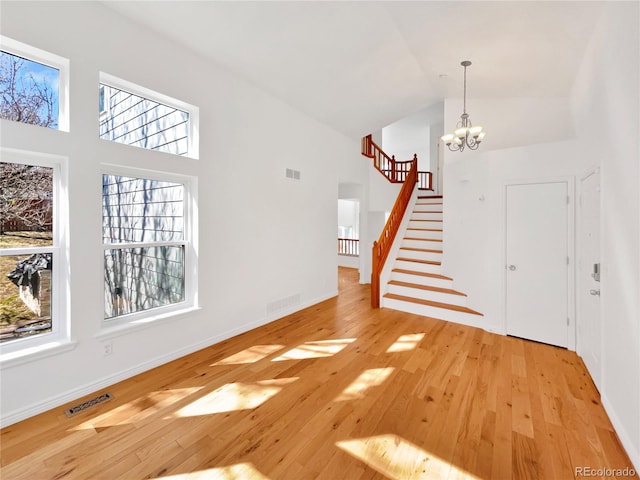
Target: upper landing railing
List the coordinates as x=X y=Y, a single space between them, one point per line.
x=395 y=171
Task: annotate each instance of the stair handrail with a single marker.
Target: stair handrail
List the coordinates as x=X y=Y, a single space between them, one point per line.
x=394 y=170
x=381 y=248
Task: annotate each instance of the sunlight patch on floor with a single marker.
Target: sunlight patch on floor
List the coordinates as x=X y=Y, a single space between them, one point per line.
x=239 y=471
x=406 y=342
x=315 y=349
x=371 y=377
x=234 y=396
x=250 y=355
x=399 y=459
x=138 y=409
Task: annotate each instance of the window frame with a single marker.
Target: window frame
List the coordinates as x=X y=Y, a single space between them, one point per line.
x=190 y=302
x=60 y=334
x=147 y=93
x=103 y=112
x=49 y=59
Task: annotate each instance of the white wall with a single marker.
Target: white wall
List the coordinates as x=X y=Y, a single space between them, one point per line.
x=603 y=113
x=349 y=262
x=606 y=102
x=415 y=134
x=474 y=215
x=263 y=237
x=436 y=131
x=348 y=214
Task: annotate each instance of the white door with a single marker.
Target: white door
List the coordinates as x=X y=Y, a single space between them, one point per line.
x=537 y=262
x=589 y=334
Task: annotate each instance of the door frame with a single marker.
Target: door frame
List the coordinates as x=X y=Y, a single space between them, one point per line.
x=579 y=340
x=571 y=250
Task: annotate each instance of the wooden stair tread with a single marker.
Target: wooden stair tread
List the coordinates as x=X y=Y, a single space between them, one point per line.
x=426 y=287
x=429 y=303
x=425 y=229
x=421 y=274
x=419 y=220
x=425 y=239
x=413 y=249
x=423 y=197
x=426 y=262
x=426 y=211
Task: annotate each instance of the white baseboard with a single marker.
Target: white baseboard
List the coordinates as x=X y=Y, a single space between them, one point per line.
x=76 y=393
x=632 y=449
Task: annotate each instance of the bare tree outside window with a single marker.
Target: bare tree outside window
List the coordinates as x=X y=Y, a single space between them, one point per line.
x=28 y=91
x=143 y=234
x=26 y=250
x=26 y=198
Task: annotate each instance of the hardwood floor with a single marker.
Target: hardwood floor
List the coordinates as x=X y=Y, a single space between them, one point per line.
x=336 y=391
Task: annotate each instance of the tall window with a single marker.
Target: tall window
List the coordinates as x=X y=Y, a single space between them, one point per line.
x=145 y=243
x=29 y=250
x=136 y=116
x=33 y=85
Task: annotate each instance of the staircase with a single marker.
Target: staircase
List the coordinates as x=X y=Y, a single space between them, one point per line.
x=416 y=283
x=406 y=267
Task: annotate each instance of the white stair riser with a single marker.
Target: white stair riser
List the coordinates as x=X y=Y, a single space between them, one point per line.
x=421 y=244
x=434 y=257
x=428 y=206
x=418 y=267
x=449 y=298
x=421 y=280
x=419 y=232
x=433 y=219
x=425 y=214
x=440 y=313
x=428 y=201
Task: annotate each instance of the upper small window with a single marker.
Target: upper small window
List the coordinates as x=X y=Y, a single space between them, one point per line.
x=136 y=116
x=32 y=85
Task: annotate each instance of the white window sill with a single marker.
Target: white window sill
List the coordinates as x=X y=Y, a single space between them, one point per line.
x=124 y=328
x=37 y=352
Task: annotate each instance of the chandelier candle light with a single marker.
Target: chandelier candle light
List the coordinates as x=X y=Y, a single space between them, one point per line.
x=465 y=134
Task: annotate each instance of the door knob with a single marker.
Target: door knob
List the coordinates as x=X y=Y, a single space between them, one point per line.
x=512 y=267
x=594 y=292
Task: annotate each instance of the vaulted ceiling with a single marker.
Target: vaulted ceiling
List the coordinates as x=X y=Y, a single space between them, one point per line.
x=359 y=66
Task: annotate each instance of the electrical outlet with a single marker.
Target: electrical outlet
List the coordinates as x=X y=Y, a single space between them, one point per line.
x=107 y=348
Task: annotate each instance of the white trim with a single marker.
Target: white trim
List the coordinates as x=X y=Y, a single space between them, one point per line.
x=113 y=246
x=6 y=252
x=34 y=347
x=579 y=350
x=193 y=143
x=104 y=382
x=571 y=251
x=51 y=60
x=27 y=355
x=620 y=428
x=138 y=321
x=105 y=105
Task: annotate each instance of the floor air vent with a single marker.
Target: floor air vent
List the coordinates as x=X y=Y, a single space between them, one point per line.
x=105 y=397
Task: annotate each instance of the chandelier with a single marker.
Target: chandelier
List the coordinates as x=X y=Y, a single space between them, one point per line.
x=465 y=134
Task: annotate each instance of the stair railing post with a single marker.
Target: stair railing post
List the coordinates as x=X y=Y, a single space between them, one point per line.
x=375 y=276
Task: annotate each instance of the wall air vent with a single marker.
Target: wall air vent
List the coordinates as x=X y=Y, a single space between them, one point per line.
x=105 y=397
x=293 y=174
x=283 y=303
